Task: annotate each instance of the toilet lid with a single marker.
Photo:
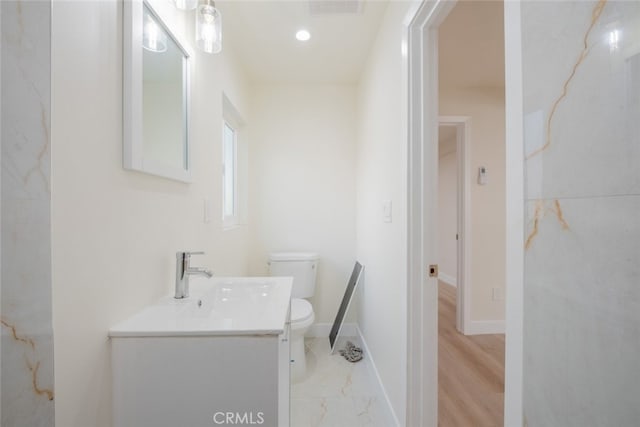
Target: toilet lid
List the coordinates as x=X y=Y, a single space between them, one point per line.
x=301 y=310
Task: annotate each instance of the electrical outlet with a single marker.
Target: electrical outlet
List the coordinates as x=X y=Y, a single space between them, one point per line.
x=497 y=294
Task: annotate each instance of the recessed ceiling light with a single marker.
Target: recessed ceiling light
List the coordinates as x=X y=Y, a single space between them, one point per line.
x=303 y=35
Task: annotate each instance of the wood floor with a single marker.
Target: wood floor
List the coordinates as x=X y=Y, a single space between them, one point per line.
x=470 y=371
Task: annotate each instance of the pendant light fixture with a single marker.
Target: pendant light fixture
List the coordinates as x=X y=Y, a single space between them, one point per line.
x=208 y=27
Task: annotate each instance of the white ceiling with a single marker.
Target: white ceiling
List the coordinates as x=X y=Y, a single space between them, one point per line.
x=261 y=35
x=471 y=45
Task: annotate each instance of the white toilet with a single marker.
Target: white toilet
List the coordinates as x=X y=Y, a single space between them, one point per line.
x=302 y=267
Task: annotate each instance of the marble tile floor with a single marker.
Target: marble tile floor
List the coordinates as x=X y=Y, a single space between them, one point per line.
x=335 y=392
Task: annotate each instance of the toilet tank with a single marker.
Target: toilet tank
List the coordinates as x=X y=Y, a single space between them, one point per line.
x=302 y=266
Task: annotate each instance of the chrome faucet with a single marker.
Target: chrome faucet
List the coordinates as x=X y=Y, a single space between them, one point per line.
x=184 y=270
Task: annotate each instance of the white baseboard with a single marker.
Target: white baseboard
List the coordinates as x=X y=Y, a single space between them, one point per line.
x=375 y=376
x=449 y=280
x=480 y=327
x=322 y=330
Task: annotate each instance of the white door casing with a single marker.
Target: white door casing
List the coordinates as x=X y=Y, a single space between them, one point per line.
x=422 y=303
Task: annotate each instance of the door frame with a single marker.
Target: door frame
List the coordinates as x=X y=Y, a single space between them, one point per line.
x=422 y=295
x=463 y=220
x=515 y=160
x=422 y=189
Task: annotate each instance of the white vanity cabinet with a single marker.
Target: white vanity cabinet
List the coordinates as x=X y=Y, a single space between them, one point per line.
x=284 y=377
x=201 y=377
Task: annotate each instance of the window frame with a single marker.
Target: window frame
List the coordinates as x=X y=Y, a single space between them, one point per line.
x=233 y=219
x=233 y=119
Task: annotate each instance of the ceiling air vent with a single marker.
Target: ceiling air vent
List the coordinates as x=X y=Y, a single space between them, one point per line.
x=335 y=7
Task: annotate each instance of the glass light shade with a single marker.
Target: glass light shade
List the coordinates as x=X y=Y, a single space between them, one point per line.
x=154 y=39
x=186 y=4
x=208 y=28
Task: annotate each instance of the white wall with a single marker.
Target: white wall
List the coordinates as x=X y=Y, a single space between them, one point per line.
x=486 y=109
x=382 y=175
x=302 y=182
x=115 y=232
x=447 y=217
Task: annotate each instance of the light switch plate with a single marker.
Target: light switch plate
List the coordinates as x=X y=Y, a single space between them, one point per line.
x=482 y=175
x=387 y=208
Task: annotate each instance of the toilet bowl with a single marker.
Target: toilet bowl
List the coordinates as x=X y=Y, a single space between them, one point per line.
x=302 y=318
x=302 y=266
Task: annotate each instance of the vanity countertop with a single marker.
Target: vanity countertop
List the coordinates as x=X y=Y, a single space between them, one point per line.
x=216 y=306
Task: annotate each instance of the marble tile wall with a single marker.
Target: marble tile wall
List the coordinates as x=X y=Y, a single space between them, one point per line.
x=26 y=375
x=581 y=63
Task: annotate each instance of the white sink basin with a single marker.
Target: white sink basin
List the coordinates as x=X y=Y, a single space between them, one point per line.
x=216 y=306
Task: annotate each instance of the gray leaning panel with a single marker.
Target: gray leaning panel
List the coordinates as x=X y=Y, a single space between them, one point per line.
x=344 y=306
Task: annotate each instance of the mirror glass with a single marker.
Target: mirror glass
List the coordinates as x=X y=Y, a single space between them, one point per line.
x=156 y=95
x=164 y=109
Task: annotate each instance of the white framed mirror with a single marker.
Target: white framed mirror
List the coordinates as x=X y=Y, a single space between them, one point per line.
x=156 y=70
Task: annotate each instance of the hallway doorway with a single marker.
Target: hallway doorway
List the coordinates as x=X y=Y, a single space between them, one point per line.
x=471 y=245
x=454 y=212
x=425 y=109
